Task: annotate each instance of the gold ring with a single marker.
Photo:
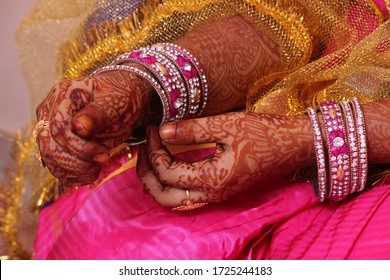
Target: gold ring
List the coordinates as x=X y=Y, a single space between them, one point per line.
x=189 y=205
x=39 y=126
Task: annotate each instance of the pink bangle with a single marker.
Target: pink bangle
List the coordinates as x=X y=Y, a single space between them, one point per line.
x=145 y=76
x=361 y=142
x=338 y=154
x=321 y=188
x=352 y=143
x=168 y=76
x=179 y=51
x=189 y=72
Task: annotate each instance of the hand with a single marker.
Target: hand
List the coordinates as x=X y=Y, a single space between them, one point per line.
x=250 y=147
x=87 y=117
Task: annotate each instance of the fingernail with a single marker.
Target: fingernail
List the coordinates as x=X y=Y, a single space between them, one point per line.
x=101 y=158
x=84 y=122
x=168 y=131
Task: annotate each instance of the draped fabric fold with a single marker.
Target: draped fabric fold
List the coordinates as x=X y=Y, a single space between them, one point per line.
x=119 y=220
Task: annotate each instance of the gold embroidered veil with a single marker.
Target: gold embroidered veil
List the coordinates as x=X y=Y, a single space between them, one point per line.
x=330 y=50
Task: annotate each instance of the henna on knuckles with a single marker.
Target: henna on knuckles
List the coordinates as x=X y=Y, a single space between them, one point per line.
x=112 y=103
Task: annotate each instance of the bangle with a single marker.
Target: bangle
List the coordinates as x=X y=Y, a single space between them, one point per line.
x=345 y=168
x=145 y=76
x=190 y=66
x=321 y=188
x=190 y=75
x=361 y=143
x=178 y=73
x=168 y=76
x=338 y=153
x=352 y=143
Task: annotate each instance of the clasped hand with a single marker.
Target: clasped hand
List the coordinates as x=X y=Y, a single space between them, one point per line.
x=249 y=148
x=89 y=116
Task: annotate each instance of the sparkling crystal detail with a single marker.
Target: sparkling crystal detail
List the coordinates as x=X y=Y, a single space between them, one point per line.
x=178 y=103
x=338 y=142
x=187 y=66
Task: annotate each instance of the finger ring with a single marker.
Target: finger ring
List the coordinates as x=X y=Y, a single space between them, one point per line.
x=189 y=205
x=39 y=126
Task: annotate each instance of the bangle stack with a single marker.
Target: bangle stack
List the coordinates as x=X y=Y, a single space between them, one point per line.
x=173 y=72
x=341 y=153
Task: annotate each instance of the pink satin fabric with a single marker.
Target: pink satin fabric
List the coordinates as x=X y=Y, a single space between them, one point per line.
x=119 y=220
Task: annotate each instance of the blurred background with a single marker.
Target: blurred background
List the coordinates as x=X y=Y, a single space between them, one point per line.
x=15 y=111
x=14 y=99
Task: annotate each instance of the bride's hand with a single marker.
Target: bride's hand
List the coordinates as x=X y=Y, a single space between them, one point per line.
x=86 y=118
x=250 y=147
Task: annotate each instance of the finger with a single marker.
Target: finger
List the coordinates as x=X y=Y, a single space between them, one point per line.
x=61 y=164
x=89 y=120
x=173 y=197
x=111 y=113
x=63 y=109
x=170 y=171
x=195 y=131
x=167 y=196
x=104 y=118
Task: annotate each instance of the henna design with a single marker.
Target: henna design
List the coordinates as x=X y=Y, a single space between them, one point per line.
x=377 y=115
x=113 y=100
x=233 y=54
x=251 y=148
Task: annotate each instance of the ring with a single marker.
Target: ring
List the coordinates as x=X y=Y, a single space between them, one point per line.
x=189 y=205
x=39 y=126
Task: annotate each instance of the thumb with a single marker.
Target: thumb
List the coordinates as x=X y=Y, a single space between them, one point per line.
x=187 y=132
x=89 y=120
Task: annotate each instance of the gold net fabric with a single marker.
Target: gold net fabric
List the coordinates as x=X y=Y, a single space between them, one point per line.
x=329 y=50
x=324 y=53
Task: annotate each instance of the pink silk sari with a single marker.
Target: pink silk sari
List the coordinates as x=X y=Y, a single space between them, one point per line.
x=119 y=220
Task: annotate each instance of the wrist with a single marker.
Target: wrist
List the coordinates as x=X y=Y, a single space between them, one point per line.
x=302 y=140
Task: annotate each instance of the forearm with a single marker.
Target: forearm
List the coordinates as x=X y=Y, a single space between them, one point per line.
x=233 y=54
x=377 y=115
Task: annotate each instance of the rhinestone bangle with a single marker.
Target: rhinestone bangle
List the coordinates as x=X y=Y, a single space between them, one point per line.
x=190 y=74
x=352 y=143
x=179 y=51
x=167 y=74
x=321 y=188
x=361 y=142
x=338 y=154
x=145 y=76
